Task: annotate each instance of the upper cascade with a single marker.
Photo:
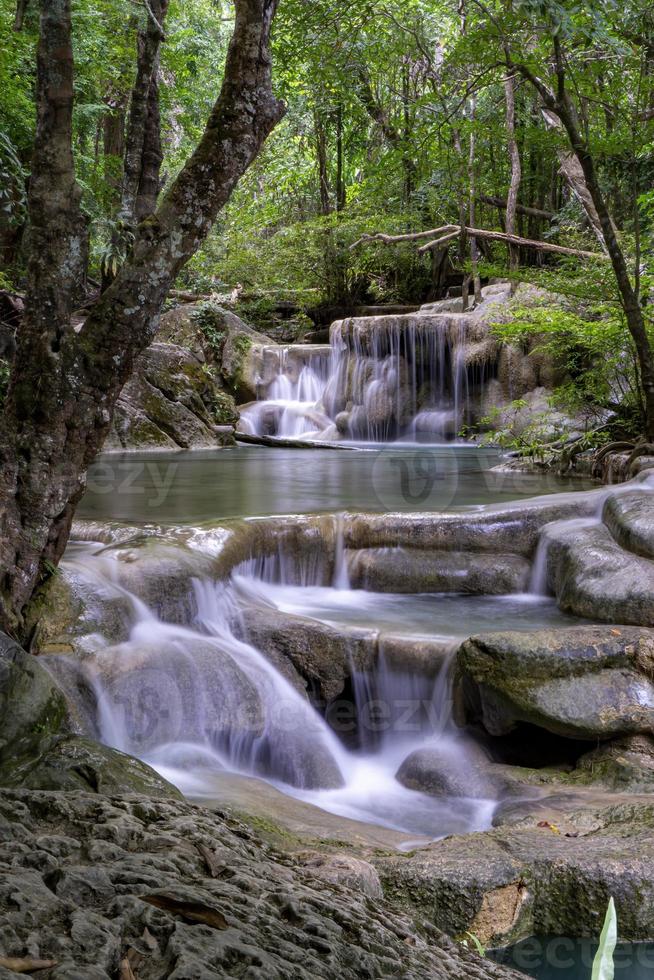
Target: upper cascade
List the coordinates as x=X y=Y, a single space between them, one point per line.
x=420 y=377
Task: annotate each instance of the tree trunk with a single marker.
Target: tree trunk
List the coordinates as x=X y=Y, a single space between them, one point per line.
x=516 y=176
x=560 y=107
x=472 y=191
x=340 y=162
x=113 y=145
x=323 y=172
x=64 y=385
x=629 y=297
x=143 y=112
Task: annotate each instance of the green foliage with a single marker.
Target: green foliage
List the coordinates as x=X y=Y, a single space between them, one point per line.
x=603 y=966
x=470 y=940
x=4 y=379
x=593 y=344
x=208 y=319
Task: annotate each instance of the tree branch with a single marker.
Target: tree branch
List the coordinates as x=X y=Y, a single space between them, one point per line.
x=448 y=233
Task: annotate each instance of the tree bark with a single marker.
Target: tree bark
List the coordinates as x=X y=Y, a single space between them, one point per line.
x=472 y=191
x=323 y=171
x=527 y=210
x=64 y=384
x=516 y=176
x=143 y=122
x=447 y=233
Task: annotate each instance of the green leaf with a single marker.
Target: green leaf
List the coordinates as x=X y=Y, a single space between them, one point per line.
x=603 y=968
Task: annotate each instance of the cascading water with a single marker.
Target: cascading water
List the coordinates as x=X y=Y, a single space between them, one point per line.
x=195 y=699
x=382 y=378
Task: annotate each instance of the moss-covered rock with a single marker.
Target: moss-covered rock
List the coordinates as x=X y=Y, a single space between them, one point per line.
x=30 y=700
x=583 y=682
x=72 y=762
x=174 y=400
x=234 y=349
x=38 y=748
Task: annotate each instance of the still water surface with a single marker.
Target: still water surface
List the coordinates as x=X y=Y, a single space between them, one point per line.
x=248 y=481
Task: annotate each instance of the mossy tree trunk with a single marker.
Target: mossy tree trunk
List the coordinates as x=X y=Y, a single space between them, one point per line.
x=65 y=383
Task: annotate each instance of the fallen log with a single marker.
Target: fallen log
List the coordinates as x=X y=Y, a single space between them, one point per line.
x=246 y=437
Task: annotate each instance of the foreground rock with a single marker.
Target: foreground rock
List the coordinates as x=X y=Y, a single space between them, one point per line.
x=591 y=575
x=98 y=885
x=549 y=873
x=583 y=682
x=38 y=744
x=172 y=402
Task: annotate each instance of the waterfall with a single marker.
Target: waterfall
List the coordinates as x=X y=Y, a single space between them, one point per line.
x=194 y=699
x=381 y=378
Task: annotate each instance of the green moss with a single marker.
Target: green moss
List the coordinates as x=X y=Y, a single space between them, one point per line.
x=223 y=408
x=208 y=318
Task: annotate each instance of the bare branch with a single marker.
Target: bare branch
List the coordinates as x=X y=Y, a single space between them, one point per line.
x=447 y=233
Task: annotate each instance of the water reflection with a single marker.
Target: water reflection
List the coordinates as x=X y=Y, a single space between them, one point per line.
x=191 y=487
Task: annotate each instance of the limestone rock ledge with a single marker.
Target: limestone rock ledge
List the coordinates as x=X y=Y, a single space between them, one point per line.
x=176 y=890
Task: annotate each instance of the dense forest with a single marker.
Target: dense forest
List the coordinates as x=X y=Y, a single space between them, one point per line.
x=399 y=119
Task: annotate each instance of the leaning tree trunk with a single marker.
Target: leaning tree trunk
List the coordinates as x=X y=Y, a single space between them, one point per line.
x=561 y=107
x=64 y=384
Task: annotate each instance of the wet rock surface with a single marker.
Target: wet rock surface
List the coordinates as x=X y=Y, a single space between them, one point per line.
x=415 y=570
x=593 y=576
x=537 y=876
x=630 y=519
x=173 y=890
x=172 y=401
x=582 y=682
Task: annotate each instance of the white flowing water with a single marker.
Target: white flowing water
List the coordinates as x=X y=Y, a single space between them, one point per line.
x=381 y=379
x=195 y=699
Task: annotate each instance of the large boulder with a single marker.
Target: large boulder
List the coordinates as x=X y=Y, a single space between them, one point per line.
x=172 y=401
x=584 y=682
x=451 y=767
x=593 y=576
x=236 y=350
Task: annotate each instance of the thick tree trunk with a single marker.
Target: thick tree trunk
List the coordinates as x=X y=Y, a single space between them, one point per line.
x=151 y=155
x=64 y=385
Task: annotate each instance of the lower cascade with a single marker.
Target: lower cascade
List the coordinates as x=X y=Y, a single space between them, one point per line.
x=196 y=699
